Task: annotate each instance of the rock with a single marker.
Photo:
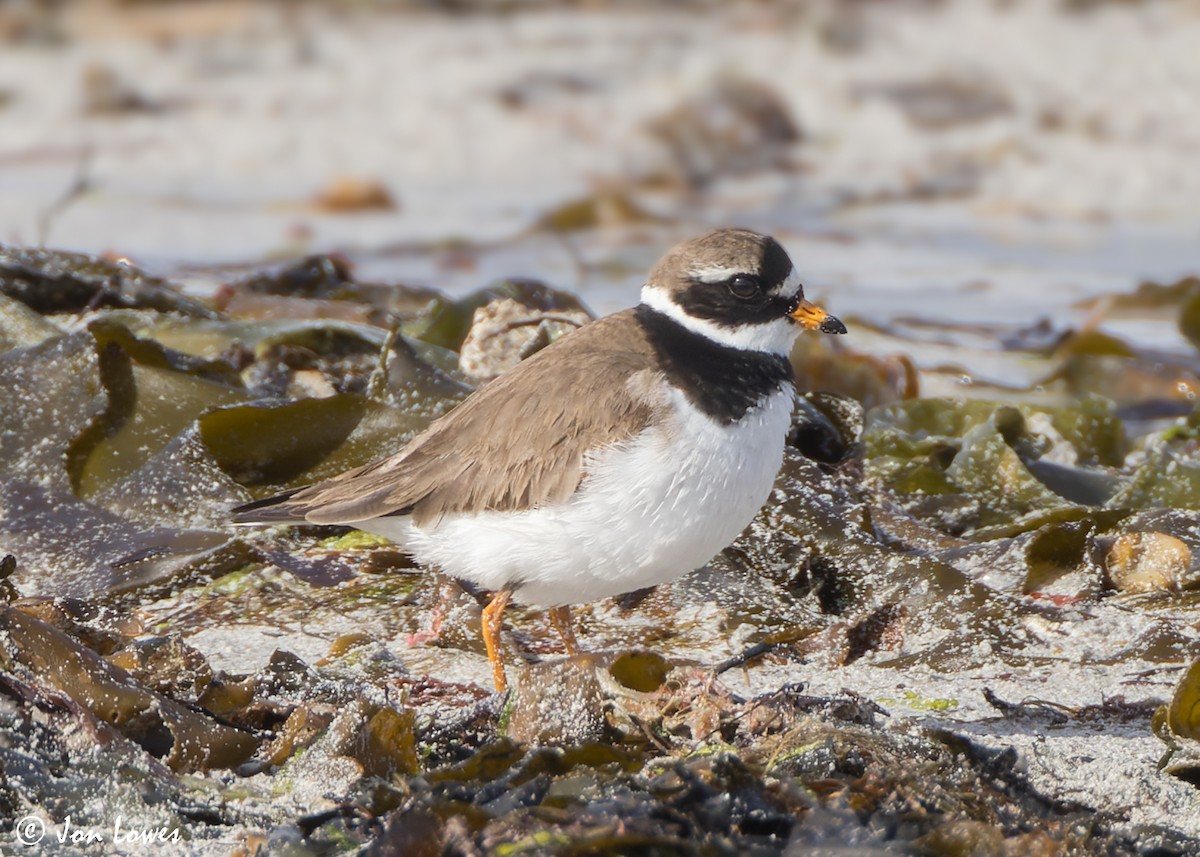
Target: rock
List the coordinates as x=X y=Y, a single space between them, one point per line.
x=504 y=332
x=347 y=194
x=558 y=702
x=106 y=92
x=51 y=281
x=945 y=102
x=609 y=207
x=1144 y=562
x=362 y=740
x=735 y=127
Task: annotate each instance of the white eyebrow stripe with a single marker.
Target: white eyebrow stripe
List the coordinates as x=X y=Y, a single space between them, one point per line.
x=790 y=285
x=715 y=274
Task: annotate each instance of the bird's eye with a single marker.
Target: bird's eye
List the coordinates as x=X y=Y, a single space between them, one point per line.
x=743 y=286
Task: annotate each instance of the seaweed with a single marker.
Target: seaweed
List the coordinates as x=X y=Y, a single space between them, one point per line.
x=905 y=536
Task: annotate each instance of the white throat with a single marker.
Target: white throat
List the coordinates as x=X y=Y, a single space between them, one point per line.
x=772 y=337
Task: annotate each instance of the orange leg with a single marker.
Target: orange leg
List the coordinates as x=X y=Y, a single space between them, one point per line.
x=560 y=618
x=493 y=616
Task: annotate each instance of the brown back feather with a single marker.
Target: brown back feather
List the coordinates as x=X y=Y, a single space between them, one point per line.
x=515 y=444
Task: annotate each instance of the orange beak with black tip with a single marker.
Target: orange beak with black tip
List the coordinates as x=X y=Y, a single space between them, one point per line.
x=812 y=317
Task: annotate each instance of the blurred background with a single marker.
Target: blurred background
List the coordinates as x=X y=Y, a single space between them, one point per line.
x=941 y=171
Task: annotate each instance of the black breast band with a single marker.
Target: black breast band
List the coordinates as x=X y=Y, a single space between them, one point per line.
x=721 y=381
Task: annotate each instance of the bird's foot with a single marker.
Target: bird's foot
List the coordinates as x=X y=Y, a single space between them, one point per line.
x=437 y=619
x=560 y=618
x=421 y=638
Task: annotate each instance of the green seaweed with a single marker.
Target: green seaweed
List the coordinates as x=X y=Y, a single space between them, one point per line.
x=261 y=443
x=60 y=398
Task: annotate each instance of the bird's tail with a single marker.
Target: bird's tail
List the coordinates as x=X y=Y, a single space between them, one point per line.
x=270 y=510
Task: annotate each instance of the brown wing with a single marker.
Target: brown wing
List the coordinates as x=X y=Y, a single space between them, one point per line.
x=515 y=444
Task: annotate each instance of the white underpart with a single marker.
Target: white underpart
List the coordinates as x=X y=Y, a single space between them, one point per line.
x=648 y=511
x=774 y=337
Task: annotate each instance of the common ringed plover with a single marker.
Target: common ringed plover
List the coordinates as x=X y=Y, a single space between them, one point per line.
x=622 y=456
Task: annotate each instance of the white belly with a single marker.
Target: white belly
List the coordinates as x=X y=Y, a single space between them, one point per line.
x=649 y=510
